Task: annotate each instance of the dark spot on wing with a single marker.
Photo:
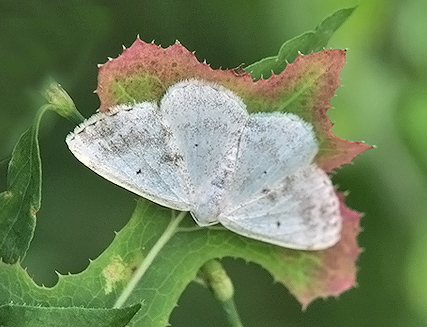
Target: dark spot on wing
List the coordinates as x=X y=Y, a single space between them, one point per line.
x=307 y=212
x=218 y=182
x=270 y=194
x=278 y=224
x=324 y=209
x=176 y=158
x=139 y=171
x=165 y=133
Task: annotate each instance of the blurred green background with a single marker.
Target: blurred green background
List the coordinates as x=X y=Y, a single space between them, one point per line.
x=383 y=101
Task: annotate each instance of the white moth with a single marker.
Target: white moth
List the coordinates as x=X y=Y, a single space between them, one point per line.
x=199 y=150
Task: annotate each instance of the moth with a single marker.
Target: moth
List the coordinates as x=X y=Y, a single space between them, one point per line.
x=199 y=150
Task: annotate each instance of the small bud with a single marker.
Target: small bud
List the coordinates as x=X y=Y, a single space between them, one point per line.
x=61 y=102
x=216 y=278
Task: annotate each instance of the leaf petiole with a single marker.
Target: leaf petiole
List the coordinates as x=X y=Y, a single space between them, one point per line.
x=232 y=314
x=170 y=230
x=213 y=275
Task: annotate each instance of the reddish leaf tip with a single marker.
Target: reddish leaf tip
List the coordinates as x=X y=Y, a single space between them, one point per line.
x=338 y=270
x=158 y=68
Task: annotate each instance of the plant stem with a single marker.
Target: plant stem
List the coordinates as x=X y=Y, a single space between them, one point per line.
x=213 y=275
x=139 y=273
x=232 y=315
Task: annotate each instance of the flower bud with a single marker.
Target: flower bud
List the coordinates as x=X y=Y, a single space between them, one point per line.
x=61 y=102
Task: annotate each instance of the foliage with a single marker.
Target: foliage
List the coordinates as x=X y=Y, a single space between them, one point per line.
x=143 y=72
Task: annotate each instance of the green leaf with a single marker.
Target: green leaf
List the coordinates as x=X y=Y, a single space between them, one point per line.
x=13 y=315
x=307 y=274
x=305 y=43
x=21 y=201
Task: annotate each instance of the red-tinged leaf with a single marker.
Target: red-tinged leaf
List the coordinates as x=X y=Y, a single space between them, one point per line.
x=144 y=72
x=333 y=270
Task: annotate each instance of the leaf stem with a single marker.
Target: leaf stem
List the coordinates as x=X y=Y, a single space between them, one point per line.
x=231 y=311
x=139 y=273
x=214 y=276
